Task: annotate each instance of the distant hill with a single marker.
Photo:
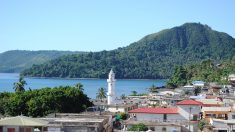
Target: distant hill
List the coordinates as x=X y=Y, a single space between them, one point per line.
x=154 y=56
x=18 y=60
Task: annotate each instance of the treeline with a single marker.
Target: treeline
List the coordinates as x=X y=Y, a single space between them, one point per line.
x=41 y=102
x=154 y=56
x=18 y=60
x=207 y=71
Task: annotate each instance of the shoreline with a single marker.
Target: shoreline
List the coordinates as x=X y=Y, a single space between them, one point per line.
x=61 y=78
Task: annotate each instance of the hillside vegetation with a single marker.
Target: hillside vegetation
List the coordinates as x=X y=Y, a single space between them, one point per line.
x=18 y=60
x=207 y=71
x=154 y=56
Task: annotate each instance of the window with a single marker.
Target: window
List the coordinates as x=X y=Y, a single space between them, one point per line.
x=233 y=116
x=164 y=117
x=195 y=117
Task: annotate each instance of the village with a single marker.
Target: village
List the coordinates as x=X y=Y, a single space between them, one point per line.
x=197 y=107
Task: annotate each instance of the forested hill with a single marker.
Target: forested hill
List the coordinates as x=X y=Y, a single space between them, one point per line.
x=18 y=60
x=154 y=56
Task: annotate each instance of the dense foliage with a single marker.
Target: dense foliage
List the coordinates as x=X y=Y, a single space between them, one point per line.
x=18 y=60
x=207 y=71
x=154 y=56
x=40 y=102
x=138 y=127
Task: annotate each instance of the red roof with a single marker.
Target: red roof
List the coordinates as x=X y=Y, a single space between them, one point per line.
x=189 y=102
x=155 y=110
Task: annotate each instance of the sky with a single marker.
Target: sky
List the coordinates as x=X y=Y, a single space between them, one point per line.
x=95 y=25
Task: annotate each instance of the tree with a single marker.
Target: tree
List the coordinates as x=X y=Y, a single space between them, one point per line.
x=179 y=77
x=197 y=90
x=133 y=93
x=138 y=127
x=101 y=94
x=79 y=86
x=123 y=96
x=201 y=124
x=153 y=88
x=41 y=102
x=19 y=86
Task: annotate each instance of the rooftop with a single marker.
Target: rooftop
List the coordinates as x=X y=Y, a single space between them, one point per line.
x=155 y=110
x=22 y=121
x=216 y=109
x=189 y=102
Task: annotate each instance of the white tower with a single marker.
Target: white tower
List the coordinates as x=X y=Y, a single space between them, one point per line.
x=111 y=88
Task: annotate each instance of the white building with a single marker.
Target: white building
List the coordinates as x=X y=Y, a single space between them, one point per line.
x=182 y=118
x=111 y=88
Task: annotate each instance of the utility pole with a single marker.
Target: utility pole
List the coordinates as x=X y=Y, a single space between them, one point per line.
x=190 y=109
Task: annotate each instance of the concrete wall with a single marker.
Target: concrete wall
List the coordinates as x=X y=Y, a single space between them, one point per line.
x=184 y=110
x=118 y=109
x=158 y=117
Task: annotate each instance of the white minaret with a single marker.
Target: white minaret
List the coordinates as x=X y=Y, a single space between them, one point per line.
x=111 y=88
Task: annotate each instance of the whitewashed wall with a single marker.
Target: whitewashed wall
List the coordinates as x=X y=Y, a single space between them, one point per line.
x=184 y=110
x=157 y=117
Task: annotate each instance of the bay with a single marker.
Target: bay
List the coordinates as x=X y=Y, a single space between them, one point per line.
x=123 y=86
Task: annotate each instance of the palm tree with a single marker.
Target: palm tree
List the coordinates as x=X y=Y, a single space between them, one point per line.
x=19 y=86
x=123 y=96
x=79 y=86
x=153 y=88
x=101 y=94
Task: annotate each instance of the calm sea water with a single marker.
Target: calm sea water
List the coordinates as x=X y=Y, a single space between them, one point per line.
x=123 y=86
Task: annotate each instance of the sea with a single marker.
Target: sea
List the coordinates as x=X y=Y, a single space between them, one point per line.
x=91 y=86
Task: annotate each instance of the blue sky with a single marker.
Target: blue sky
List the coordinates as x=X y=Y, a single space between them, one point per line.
x=94 y=25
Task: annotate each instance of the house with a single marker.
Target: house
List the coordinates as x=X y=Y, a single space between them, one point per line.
x=180 y=118
x=231 y=78
x=216 y=112
x=70 y=122
x=220 y=125
x=22 y=124
x=224 y=125
x=189 y=89
x=217 y=102
x=198 y=84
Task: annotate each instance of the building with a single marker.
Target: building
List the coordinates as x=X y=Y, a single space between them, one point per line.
x=216 y=112
x=198 y=84
x=22 y=124
x=71 y=122
x=184 y=117
x=111 y=88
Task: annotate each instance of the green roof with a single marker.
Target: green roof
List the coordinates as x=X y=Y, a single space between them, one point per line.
x=22 y=121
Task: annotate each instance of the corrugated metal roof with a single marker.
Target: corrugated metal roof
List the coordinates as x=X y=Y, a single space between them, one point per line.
x=22 y=121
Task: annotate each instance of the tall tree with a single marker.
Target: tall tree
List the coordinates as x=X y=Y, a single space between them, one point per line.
x=133 y=93
x=101 y=94
x=153 y=88
x=19 y=86
x=79 y=86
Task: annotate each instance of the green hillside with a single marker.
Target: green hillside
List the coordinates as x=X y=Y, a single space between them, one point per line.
x=207 y=71
x=154 y=56
x=18 y=60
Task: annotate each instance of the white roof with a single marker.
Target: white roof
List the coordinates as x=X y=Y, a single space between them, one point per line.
x=224 y=121
x=216 y=109
x=22 y=121
x=168 y=92
x=188 y=86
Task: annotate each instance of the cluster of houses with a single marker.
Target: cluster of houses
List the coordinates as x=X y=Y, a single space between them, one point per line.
x=165 y=110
